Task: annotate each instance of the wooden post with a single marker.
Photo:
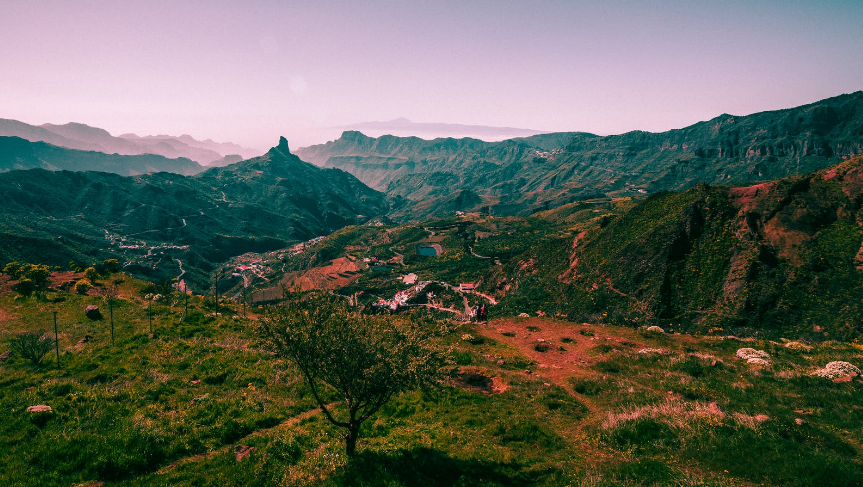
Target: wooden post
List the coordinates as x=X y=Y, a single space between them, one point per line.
x=111 y=312
x=56 y=340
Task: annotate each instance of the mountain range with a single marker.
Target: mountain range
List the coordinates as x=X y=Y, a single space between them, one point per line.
x=84 y=137
x=406 y=128
x=18 y=153
x=263 y=203
x=519 y=176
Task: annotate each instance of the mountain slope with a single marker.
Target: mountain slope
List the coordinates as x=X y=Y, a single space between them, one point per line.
x=784 y=256
x=221 y=148
x=17 y=153
x=165 y=225
x=521 y=175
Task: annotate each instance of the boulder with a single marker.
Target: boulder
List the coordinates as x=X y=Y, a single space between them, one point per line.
x=92 y=312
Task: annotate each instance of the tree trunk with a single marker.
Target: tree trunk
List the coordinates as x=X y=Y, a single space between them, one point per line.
x=351 y=439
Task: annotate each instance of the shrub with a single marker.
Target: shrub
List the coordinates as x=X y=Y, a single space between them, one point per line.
x=91 y=274
x=82 y=286
x=12 y=269
x=110 y=266
x=31 y=277
x=31 y=345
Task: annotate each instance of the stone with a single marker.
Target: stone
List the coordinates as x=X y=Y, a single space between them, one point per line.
x=92 y=312
x=39 y=409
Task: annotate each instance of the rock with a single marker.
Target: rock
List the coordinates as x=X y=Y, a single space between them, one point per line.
x=5 y=355
x=523 y=315
x=92 y=312
x=752 y=356
x=655 y=329
x=196 y=381
x=760 y=418
x=40 y=409
x=838 y=370
x=800 y=421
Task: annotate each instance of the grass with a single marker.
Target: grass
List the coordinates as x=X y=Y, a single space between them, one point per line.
x=177 y=407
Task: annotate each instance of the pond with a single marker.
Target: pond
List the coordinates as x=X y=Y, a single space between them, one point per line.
x=427 y=251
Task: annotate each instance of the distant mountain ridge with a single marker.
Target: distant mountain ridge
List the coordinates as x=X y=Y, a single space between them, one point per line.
x=403 y=127
x=84 y=137
x=522 y=175
x=17 y=153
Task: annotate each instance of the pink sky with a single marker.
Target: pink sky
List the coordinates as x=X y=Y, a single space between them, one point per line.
x=249 y=71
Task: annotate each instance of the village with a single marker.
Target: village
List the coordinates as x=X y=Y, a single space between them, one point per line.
x=385 y=269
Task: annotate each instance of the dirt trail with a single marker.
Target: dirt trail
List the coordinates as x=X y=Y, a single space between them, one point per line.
x=284 y=424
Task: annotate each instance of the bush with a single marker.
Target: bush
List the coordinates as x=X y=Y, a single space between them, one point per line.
x=82 y=286
x=12 y=269
x=110 y=266
x=91 y=274
x=31 y=345
x=31 y=277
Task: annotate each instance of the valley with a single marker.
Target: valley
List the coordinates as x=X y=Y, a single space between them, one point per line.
x=603 y=316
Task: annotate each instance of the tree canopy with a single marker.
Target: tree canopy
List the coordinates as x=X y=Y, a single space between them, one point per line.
x=366 y=360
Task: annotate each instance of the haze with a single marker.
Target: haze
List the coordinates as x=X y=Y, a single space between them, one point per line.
x=250 y=71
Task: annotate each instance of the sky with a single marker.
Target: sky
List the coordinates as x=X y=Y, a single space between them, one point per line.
x=249 y=71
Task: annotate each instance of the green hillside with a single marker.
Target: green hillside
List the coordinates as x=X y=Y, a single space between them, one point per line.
x=527 y=401
x=775 y=258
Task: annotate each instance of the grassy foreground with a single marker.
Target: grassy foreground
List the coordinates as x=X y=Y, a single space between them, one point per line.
x=533 y=402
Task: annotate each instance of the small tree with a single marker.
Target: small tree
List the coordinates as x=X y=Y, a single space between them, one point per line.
x=31 y=345
x=32 y=278
x=365 y=360
x=110 y=266
x=91 y=274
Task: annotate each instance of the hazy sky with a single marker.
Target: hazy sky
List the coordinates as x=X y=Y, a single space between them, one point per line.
x=249 y=71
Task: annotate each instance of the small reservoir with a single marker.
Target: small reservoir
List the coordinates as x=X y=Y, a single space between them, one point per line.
x=429 y=250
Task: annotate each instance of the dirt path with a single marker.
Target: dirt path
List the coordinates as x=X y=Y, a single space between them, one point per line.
x=238 y=446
